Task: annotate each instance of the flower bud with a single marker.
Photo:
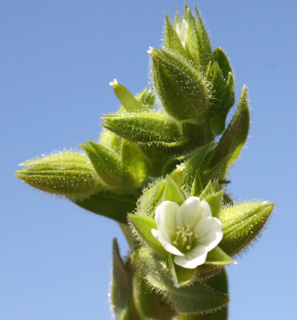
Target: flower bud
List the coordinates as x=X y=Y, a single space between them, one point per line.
x=242 y=225
x=144 y=127
x=181 y=88
x=68 y=173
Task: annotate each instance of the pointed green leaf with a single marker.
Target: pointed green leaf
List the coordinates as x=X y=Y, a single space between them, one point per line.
x=191 y=299
x=192 y=44
x=242 y=224
x=235 y=135
x=218 y=257
x=223 y=61
x=181 y=276
x=146 y=98
x=144 y=226
x=197 y=185
x=172 y=192
x=121 y=286
x=144 y=127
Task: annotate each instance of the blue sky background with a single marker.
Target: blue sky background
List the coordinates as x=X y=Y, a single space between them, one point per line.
x=56 y=60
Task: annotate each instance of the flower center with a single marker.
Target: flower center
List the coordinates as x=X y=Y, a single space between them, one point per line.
x=184 y=238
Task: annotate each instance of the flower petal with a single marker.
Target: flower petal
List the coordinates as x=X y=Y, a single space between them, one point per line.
x=191 y=212
x=192 y=259
x=166 y=245
x=209 y=231
x=166 y=218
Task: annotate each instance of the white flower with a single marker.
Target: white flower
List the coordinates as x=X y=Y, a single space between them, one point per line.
x=189 y=232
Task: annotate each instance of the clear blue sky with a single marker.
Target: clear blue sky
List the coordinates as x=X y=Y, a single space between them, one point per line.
x=56 y=60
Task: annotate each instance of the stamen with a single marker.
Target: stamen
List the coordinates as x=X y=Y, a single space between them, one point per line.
x=196 y=236
x=188 y=225
x=185 y=239
x=174 y=242
x=188 y=247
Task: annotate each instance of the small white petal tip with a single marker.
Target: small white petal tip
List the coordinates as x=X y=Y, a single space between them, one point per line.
x=180 y=167
x=113 y=83
x=150 y=50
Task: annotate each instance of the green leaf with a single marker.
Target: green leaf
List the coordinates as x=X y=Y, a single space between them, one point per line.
x=121 y=286
x=197 y=185
x=109 y=204
x=218 y=283
x=144 y=127
x=191 y=299
x=144 y=226
x=235 y=135
x=218 y=257
x=172 y=192
x=222 y=60
x=242 y=225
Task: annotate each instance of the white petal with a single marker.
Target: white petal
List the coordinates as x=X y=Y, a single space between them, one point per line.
x=209 y=231
x=166 y=245
x=166 y=218
x=206 y=209
x=191 y=212
x=194 y=258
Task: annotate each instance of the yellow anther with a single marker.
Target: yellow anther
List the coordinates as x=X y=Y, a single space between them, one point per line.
x=188 y=247
x=175 y=242
x=196 y=236
x=188 y=225
x=185 y=239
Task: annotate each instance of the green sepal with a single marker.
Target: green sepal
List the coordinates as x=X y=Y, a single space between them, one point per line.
x=181 y=88
x=196 y=162
x=215 y=200
x=149 y=304
x=242 y=224
x=171 y=38
x=211 y=188
x=109 y=204
x=146 y=98
x=151 y=198
x=106 y=163
x=111 y=140
x=121 y=285
x=218 y=257
x=181 y=276
x=67 y=173
x=144 y=127
x=235 y=135
x=144 y=226
x=222 y=60
x=229 y=96
x=172 y=192
x=136 y=171
x=205 y=51
x=189 y=300
x=127 y=99
x=197 y=186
